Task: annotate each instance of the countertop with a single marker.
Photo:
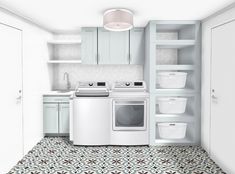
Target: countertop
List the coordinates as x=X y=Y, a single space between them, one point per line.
x=58 y=93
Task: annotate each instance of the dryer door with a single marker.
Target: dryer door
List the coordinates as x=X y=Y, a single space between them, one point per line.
x=129 y=115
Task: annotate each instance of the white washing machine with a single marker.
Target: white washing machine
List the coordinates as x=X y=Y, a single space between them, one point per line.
x=130 y=114
x=91 y=114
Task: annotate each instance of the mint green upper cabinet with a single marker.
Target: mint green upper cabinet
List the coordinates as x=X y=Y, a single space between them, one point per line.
x=89 y=45
x=113 y=47
x=137 y=46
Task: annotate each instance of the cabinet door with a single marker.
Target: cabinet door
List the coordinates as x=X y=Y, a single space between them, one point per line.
x=137 y=46
x=50 y=118
x=113 y=47
x=64 y=118
x=89 y=45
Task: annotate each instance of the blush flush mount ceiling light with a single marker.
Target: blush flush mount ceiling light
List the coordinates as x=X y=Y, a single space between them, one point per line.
x=118 y=20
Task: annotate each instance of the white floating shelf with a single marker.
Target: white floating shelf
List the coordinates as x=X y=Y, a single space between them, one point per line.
x=173 y=141
x=174 y=43
x=175 y=91
x=171 y=94
x=174 y=118
x=64 y=61
x=174 y=67
x=64 y=42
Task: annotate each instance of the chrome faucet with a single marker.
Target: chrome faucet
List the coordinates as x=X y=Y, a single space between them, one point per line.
x=66 y=77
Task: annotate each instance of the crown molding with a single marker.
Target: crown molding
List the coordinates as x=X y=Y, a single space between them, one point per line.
x=219 y=12
x=20 y=16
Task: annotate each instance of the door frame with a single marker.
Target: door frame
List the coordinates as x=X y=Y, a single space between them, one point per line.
x=210 y=109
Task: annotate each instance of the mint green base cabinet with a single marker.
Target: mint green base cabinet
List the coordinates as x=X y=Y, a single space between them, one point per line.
x=50 y=118
x=55 y=115
x=64 y=118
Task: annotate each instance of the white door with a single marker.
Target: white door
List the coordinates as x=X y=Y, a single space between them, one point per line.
x=11 y=146
x=222 y=145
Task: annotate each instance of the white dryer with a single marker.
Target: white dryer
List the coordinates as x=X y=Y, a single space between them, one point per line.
x=130 y=113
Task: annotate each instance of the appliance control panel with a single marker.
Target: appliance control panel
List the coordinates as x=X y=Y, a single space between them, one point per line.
x=92 y=84
x=130 y=85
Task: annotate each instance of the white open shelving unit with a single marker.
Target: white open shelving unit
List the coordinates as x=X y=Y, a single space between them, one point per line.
x=64 y=51
x=174 y=46
x=64 y=61
x=65 y=56
x=63 y=42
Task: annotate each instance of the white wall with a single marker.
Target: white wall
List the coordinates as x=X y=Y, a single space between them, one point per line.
x=35 y=76
x=222 y=17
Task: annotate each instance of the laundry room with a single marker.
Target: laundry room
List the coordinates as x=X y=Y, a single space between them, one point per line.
x=117 y=87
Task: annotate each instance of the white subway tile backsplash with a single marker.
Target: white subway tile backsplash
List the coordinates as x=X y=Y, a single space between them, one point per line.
x=109 y=73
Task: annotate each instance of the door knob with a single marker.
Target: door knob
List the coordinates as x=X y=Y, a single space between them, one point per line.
x=18 y=99
x=214 y=97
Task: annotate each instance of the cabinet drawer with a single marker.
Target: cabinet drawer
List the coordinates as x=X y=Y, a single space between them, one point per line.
x=56 y=99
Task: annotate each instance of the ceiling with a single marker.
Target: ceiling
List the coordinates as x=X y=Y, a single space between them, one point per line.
x=70 y=15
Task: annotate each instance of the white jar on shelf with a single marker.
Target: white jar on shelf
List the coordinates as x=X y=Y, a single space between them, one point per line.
x=172 y=105
x=172 y=79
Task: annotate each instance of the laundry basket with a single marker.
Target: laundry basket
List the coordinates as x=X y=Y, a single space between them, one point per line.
x=172 y=79
x=172 y=105
x=172 y=130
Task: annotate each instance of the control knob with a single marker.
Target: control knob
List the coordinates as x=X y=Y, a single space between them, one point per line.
x=127 y=84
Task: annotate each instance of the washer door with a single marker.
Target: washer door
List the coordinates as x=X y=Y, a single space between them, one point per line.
x=129 y=115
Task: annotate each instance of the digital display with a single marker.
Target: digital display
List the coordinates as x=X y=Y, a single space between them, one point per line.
x=138 y=83
x=100 y=83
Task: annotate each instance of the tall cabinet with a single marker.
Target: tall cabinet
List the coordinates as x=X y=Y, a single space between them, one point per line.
x=173 y=46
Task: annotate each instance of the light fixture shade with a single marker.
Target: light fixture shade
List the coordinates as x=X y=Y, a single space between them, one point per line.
x=118 y=20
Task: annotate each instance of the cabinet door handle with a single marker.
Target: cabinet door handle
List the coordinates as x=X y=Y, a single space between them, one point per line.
x=129 y=58
x=98 y=58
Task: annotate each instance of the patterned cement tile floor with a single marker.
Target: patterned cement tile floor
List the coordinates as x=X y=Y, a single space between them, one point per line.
x=58 y=156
